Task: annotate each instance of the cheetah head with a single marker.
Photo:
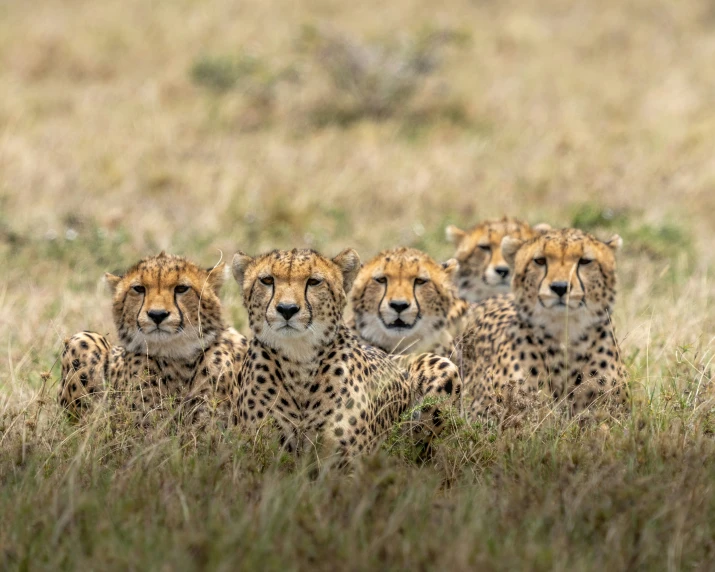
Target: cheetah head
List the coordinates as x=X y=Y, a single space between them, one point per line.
x=483 y=271
x=402 y=297
x=167 y=306
x=295 y=299
x=563 y=278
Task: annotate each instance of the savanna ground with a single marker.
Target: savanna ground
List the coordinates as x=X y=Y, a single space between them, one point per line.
x=203 y=127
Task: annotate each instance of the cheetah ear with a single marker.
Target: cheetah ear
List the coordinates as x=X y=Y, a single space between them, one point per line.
x=454 y=235
x=241 y=260
x=450 y=266
x=349 y=263
x=217 y=276
x=112 y=281
x=615 y=243
x=542 y=227
x=509 y=247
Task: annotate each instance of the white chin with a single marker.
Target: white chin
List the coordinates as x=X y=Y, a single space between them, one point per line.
x=405 y=338
x=174 y=345
x=149 y=342
x=375 y=332
x=161 y=336
x=288 y=332
x=418 y=338
x=297 y=345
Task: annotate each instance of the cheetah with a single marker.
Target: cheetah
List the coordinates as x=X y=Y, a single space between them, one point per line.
x=309 y=373
x=405 y=302
x=483 y=271
x=173 y=343
x=553 y=331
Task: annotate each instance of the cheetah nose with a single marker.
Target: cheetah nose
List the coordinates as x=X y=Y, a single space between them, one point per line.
x=399 y=305
x=157 y=316
x=503 y=271
x=287 y=310
x=559 y=288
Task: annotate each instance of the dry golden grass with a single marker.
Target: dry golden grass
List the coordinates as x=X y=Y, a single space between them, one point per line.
x=205 y=127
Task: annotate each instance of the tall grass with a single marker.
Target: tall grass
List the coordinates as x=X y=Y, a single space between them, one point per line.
x=634 y=492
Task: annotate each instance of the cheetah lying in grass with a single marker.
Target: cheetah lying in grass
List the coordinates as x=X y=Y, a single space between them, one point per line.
x=173 y=343
x=307 y=371
x=554 y=331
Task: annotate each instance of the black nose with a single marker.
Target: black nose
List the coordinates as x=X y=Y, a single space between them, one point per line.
x=287 y=310
x=157 y=316
x=559 y=288
x=503 y=271
x=399 y=305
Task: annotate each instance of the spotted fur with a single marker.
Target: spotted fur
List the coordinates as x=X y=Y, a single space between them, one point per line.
x=307 y=371
x=483 y=271
x=173 y=342
x=554 y=332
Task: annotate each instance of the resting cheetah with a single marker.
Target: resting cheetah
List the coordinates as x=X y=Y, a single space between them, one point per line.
x=482 y=271
x=554 y=330
x=174 y=342
x=309 y=372
x=403 y=301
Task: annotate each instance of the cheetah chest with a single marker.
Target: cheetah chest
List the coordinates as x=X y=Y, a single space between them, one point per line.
x=326 y=397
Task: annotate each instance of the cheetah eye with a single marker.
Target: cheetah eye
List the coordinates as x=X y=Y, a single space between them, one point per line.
x=139 y=289
x=181 y=288
x=314 y=281
x=267 y=280
x=420 y=281
x=541 y=261
x=585 y=261
x=485 y=247
x=380 y=279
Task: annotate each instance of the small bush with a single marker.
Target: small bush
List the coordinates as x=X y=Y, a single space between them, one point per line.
x=222 y=73
x=374 y=80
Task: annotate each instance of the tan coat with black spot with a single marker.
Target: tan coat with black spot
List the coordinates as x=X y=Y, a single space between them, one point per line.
x=175 y=351
x=305 y=370
x=554 y=332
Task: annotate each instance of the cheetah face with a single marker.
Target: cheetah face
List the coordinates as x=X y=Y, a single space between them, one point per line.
x=295 y=299
x=563 y=276
x=402 y=295
x=483 y=271
x=167 y=306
